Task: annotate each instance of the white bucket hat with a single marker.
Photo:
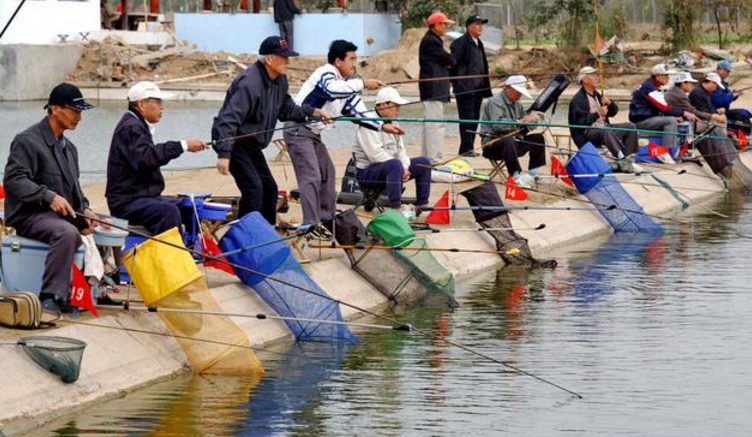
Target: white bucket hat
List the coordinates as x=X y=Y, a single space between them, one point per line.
x=519 y=83
x=714 y=77
x=662 y=69
x=389 y=94
x=146 y=90
x=584 y=71
x=684 y=77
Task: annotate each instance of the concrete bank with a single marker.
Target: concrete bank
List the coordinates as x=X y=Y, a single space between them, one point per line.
x=116 y=362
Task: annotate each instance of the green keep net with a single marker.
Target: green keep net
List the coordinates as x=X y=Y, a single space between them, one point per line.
x=392 y=227
x=59 y=355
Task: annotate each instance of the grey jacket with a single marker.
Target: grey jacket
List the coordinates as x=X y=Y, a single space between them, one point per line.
x=253 y=104
x=500 y=108
x=38 y=168
x=678 y=98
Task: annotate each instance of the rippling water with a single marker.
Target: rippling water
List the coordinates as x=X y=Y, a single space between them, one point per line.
x=653 y=331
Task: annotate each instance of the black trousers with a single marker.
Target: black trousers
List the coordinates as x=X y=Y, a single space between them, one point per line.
x=468 y=108
x=510 y=149
x=64 y=239
x=258 y=189
x=155 y=214
x=625 y=142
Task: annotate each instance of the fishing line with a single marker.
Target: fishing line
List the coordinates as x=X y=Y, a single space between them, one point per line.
x=441 y=231
x=425 y=333
x=12 y=17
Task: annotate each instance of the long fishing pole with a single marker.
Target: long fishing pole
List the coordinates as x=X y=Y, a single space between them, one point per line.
x=514 y=251
x=441 y=231
x=263 y=316
x=425 y=333
x=12 y=17
x=471 y=76
x=511 y=208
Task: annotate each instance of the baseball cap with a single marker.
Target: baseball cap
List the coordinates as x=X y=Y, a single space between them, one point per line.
x=714 y=77
x=438 y=17
x=519 y=83
x=68 y=95
x=475 y=19
x=726 y=65
x=662 y=69
x=146 y=90
x=684 y=77
x=389 y=94
x=584 y=71
x=275 y=45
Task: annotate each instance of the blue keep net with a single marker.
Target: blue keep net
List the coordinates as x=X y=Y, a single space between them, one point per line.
x=628 y=215
x=280 y=281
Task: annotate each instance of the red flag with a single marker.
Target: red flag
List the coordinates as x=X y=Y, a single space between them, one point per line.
x=210 y=248
x=654 y=150
x=558 y=170
x=513 y=192
x=440 y=216
x=80 y=292
x=684 y=149
x=2 y=192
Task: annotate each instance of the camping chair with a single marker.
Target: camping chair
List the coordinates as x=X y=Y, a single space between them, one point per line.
x=283 y=154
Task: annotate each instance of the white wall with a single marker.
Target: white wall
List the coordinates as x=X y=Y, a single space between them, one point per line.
x=40 y=21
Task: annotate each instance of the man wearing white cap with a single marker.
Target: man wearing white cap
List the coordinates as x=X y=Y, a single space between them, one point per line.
x=649 y=109
x=134 y=180
x=589 y=108
x=499 y=141
x=724 y=96
x=381 y=158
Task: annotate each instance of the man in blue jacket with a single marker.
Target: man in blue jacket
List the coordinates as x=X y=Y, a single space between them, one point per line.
x=724 y=96
x=649 y=110
x=134 y=178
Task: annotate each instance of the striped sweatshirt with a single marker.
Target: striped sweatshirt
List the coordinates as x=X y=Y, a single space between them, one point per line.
x=327 y=90
x=648 y=101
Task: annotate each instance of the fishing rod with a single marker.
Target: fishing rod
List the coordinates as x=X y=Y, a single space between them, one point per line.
x=590 y=202
x=423 y=332
x=511 y=208
x=12 y=17
x=603 y=176
x=441 y=231
x=513 y=251
x=262 y=316
x=472 y=76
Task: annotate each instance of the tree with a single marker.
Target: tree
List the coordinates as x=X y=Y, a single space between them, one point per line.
x=573 y=14
x=681 y=19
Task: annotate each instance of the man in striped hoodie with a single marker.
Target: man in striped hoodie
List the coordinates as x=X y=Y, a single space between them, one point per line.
x=334 y=88
x=649 y=110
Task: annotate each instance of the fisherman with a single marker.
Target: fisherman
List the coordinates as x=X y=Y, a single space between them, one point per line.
x=334 y=88
x=381 y=158
x=435 y=63
x=284 y=14
x=589 y=108
x=256 y=99
x=724 y=96
x=134 y=180
x=471 y=61
x=718 y=153
x=508 y=142
x=679 y=96
x=44 y=200
x=649 y=110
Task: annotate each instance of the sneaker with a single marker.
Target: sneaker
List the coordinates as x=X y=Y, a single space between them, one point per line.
x=525 y=180
x=408 y=212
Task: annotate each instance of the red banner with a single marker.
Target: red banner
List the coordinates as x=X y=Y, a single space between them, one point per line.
x=558 y=170
x=440 y=217
x=80 y=292
x=513 y=192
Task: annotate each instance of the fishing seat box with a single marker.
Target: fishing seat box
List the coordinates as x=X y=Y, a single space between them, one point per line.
x=23 y=263
x=643 y=149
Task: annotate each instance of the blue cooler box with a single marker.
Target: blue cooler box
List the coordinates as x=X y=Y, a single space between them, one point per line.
x=23 y=263
x=643 y=154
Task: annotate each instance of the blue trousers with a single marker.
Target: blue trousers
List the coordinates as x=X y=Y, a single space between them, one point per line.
x=389 y=174
x=155 y=214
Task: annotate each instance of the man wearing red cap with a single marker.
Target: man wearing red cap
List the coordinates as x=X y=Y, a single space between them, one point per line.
x=435 y=62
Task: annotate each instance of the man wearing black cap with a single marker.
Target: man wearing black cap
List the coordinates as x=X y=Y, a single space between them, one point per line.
x=254 y=102
x=43 y=194
x=471 y=61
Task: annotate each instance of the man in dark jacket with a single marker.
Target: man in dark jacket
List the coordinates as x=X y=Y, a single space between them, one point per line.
x=284 y=13
x=435 y=62
x=134 y=180
x=471 y=60
x=649 y=110
x=243 y=128
x=44 y=200
x=589 y=108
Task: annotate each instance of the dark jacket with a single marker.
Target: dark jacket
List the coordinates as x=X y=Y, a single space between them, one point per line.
x=38 y=168
x=648 y=101
x=471 y=60
x=134 y=162
x=701 y=99
x=579 y=114
x=284 y=10
x=434 y=62
x=254 y=103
